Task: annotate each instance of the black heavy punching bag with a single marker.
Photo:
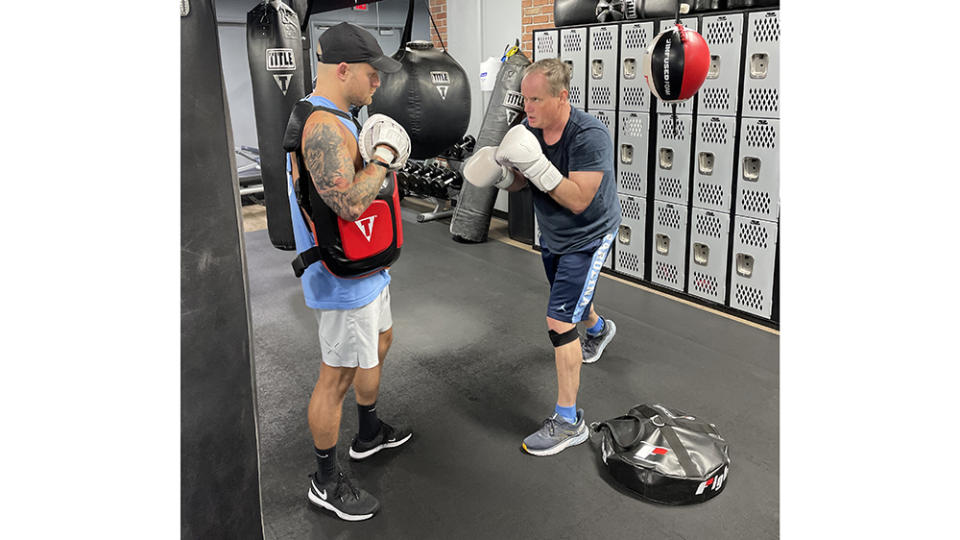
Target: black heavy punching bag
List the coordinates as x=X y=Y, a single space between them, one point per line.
x=276 y=70
x=429 y=96
x=219 y=477
x=618 y=10
x=471 y=217
x=574 y=12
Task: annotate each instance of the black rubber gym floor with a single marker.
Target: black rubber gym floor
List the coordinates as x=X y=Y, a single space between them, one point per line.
x=471 y=371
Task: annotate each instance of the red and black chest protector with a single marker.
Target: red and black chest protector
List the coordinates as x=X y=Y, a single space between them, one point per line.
x=347 y=249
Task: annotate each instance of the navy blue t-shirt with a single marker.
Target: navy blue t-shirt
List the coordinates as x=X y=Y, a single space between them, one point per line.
x=584 y=146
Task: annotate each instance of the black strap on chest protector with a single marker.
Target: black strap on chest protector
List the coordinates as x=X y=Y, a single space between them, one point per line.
x=309 y=200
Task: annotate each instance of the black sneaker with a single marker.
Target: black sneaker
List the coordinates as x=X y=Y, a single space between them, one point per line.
x=341 y=497
x=387 y=437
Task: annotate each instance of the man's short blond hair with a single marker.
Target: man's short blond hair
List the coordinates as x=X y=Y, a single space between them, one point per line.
x=556 y=71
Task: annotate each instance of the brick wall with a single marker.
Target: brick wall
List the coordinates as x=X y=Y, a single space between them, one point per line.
x=438 y=8
x=536 y=14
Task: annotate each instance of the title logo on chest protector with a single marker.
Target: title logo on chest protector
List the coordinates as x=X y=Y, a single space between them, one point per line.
x=366 y=226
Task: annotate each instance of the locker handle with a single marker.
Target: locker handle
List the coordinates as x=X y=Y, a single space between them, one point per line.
x=626 y=153
x=705 y=163
x=714 y=70
x=663 y=244
x=744 y=264
x=751 y=169
x=758 y=65
x=666 y=158
x=701 y=253
x=623 y=235
x=629 y=68
x=597 y=68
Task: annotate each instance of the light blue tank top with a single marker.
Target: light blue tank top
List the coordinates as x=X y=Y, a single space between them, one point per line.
x=321 y=289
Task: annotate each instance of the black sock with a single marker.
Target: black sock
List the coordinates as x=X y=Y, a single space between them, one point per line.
x=369 y=423
x=326 y=462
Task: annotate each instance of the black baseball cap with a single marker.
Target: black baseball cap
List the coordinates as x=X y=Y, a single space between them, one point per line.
x=349 y=43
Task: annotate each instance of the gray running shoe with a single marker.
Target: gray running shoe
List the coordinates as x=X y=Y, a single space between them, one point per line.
x=556 y=434
x=593 y=346
x=341 y=497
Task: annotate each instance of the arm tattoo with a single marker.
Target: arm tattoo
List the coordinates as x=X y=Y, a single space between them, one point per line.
x=346 y=191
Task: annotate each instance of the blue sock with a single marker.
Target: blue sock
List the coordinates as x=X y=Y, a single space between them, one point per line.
x=567 y=413
x=597 y=328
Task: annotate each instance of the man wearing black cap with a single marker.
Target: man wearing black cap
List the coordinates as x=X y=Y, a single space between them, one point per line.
x=347 y=169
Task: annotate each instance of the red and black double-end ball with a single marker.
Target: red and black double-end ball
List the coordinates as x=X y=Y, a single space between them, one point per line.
x=676 y=63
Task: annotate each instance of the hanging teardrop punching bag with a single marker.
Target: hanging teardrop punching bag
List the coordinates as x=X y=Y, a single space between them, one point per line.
x=471 y=217
x=429 y=96
x=276 y=70
x=676 y=63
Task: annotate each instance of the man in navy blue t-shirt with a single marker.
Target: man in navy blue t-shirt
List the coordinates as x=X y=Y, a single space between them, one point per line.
x=567 y=156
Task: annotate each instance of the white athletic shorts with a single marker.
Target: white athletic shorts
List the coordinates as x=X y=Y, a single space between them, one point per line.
x=350 y=338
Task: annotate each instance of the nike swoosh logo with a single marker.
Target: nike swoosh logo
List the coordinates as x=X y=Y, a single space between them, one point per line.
x=322 y=494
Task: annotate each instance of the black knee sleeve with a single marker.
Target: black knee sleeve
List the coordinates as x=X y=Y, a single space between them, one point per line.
x=560 y=340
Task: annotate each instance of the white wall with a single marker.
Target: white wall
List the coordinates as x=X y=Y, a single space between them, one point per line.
x=477 y=30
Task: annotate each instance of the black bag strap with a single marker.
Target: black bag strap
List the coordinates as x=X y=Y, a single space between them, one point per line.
x=672 y=439
x=692 y=425
x=613 y=432
x=340 y=113
x=305 y=259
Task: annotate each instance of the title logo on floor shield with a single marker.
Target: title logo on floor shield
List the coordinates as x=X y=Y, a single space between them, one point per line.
x=366 y=226
x=441 y=79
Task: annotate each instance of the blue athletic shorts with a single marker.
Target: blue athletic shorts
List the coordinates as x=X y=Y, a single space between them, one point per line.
x=573 y=279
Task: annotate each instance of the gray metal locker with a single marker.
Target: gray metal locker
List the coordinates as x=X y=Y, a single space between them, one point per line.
x=672 y=158
x=669 y=238
x=753 y=264
x=634 y=93
x=546 y=44
x=713 y=162
x=573 y=51
x=709 y=244
x=602 y=67
x=631 y=237
x=684 y=107
x=720 y=93
x=608 y=118
x=758 y=169
x=631 y=152
x=761 y=69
